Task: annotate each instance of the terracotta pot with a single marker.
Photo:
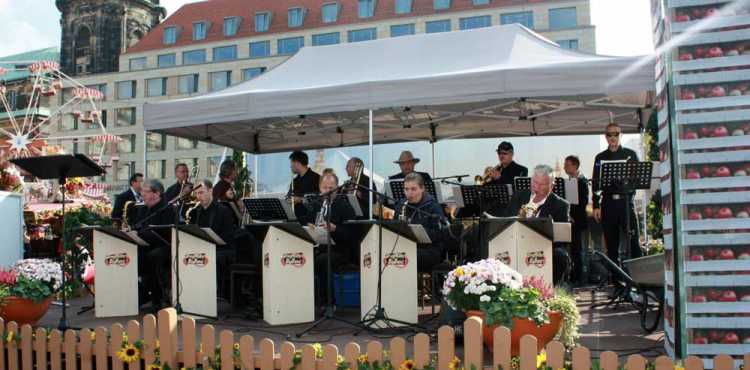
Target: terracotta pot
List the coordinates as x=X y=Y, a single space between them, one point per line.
x=23 y=311
x=544 y=334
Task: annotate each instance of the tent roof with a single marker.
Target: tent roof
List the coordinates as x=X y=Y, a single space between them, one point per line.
x=487 y=82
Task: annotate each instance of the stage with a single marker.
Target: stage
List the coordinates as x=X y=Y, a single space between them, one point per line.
x=601 y=328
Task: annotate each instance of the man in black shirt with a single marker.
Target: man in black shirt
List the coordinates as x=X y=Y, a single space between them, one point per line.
x=610 y=206
x=132 y=194
x=305 y=182
x=407 y=162
x=578 y=245
x=508 y=169
x=352 y=166
x=181 y=175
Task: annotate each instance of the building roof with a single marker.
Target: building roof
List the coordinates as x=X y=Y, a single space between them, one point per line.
x=10 y=62
x=214 y=11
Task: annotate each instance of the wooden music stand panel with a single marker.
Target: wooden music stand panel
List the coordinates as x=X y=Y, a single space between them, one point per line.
x=524 y=250
x=197 y=259
x=288 y=278
x=399 y=285
x=116 y=262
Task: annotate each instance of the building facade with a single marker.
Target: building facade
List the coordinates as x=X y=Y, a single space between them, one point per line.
x=210 y=45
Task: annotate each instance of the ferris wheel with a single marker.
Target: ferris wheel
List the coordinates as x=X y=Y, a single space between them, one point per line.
x=29 y=133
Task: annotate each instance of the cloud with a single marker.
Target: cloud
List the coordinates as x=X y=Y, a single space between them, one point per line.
x=32 y=38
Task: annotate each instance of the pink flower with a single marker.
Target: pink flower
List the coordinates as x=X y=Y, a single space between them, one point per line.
x=538 y=283
x=7 y=277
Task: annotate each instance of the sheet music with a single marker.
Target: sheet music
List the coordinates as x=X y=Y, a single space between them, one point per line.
x=217 y=239
x=420 y=233
x=318 y=234
x=571 y=191
x=137 y=239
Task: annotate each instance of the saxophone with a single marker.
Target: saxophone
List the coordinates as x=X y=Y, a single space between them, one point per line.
x=189 y=211
x=528 y=210
x=402 y=216
x=125 y=210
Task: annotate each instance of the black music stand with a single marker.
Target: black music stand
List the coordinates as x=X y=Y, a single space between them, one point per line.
x=397 y=189
x=269 y=209
x=60 y=167
x=524 y=183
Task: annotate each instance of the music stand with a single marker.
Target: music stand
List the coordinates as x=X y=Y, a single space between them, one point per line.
x=269 y=209
x=60 y=167
x=524 y=183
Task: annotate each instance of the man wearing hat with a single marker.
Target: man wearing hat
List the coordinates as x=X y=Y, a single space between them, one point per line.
x=407 y=162
x=508 y=169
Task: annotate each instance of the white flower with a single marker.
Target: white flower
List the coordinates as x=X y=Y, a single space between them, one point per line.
x=484 y=298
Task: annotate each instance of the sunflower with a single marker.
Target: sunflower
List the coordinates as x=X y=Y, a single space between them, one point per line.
x=92 y=336
x=453 y=365
x=362 y=359
x=541 y=359
x=9 y=338
x=153 y=367
x=407 y=365
x=237 y=346
x=128 y=353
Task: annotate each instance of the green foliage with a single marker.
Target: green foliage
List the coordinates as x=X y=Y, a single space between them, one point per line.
x=4 y=293
x=72 y=240
x=35 y=290
x=565 y=303
x=654 y=213
x=509 y=303
x=242 y=173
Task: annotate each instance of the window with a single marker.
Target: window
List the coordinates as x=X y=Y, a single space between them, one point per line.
x=524 y=18
x=403 y=6
x=250 y=73
x=295 y=17
x=126 y=90
x=125 y=117
x=290 y=45
x=156 y=169
x=199 y=30
x=441 y=4
x=213 y=165
x=231 y=24
x=480 y=2
x=568 y=44
x=225 y=53
x=156 y=142
x=188 y=84
x=13 y=99
x=166 y=60
x=438 y=26
x=68 y=123
x=330 y=12
x=137 y=63
x=475 y=22
x=95 y=122
x=326 y=39
x=170 y=35
x=562 y=18
x=260 y=49
x=366 y=8
x=126 y=144
x=363 y=35
x=156 y=87
x=402 y=30
x=262 y=21
x=194 y=57
x=185 y=144
x=125 y=170
x=220 y=80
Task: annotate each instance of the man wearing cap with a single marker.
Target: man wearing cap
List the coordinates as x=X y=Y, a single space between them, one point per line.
x=508 y=169
x=407 y=162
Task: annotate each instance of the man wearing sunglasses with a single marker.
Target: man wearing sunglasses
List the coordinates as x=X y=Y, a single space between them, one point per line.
x=609 y=206
x=508 y=169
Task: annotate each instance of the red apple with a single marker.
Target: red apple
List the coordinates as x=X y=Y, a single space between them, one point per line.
x=726 y=254
x=746 y=340
x=694 y=215
x=720 y=131
x=717 y=92
x=700 y=298
x=715 y=336
x=699 y=52
x=681 y=18
x=738 y=132
x=724 y=212
x=685 y=56
x=687 y=95
x=743 y=86
x=701 y=91
x=732 y=53
x=722 y=171
x=696 y=258
x=745 y=297
x=709 y=212
x=714 y=294
x=690 y=135
x=730 y=338
x=735 y=92
x=696 y=13
x=700 y=340
x=744 y=256
x=714 y=52
x=693 y=174
x=710 y=12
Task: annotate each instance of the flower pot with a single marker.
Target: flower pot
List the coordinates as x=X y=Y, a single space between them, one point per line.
x=23 y=311
x=544 y=334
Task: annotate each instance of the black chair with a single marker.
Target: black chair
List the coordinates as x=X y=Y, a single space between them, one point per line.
x=247 y=278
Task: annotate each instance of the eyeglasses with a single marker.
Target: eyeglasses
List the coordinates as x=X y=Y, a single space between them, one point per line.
x=613 y=134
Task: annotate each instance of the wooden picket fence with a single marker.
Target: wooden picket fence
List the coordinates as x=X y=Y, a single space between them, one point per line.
x=159 y=343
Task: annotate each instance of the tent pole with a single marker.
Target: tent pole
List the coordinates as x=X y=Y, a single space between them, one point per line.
x=372 y=171
x=434 y=171
x=145 y=156
x=255 y=167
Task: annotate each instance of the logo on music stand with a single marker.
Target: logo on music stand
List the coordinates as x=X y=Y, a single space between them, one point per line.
x=195 y=259
x=367 y=260
x=296 y=259
x=536 y=258
x=396 y=259
x=117 y=259
x=503 y=257
x=266 y=260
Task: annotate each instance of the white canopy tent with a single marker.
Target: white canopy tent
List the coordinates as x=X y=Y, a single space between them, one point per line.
x=487 y=82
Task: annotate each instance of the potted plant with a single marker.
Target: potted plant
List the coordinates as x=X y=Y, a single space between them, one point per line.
x=501 y=296
x=26 y=289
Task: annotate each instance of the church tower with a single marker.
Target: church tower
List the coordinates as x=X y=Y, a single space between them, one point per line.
x=96 y=32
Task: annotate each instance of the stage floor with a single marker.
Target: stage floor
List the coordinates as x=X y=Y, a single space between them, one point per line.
x=601 y=328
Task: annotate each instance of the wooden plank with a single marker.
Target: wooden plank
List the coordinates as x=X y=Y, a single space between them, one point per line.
x=247 y=349
x=375 y=352
x=134 y=334
x=747 y=361
x=421 y=350
x=115 y=344
x=330 y=357
x=308 y=358
x=27 y=349
x=101 y=349
x=167 y=336
x=2 y=342
x=70 y=349
x=608 y=361
x=189 y=342
x=695 y=363
x=85 y=349
x=12 y=345
x=473 y=347
x=581 y=358
x=635 y=362
x=501 y=357
x=208 y=345
x=527 y=351
x=226 y=343
x=351 y=355
x=446 y=347
x=266 y=354
x=555 y=355
x=663 y=363
x=149 y=339
x=287 y=355
x=723 y=362
x=55 y=350
x=398 y=351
